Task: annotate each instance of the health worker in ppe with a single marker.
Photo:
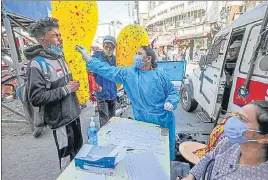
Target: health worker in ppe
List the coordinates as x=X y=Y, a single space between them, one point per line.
x=152 y=94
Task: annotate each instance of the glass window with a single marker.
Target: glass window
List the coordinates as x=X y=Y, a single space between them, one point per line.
x=248 y=52
x=216 y=49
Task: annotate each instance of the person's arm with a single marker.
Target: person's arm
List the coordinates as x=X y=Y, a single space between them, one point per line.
x=198 y=170
x=38 y=94
x=172 y=93
x=112 y=73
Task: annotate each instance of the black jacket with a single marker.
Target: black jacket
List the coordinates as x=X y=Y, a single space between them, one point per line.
x=60 y=105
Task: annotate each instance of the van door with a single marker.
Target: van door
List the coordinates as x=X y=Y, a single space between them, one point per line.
x=258 y=88
x=210 y=78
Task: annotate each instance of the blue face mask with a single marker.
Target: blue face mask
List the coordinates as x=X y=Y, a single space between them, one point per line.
x=138 y=62
x=234 y=129
x=56 y=49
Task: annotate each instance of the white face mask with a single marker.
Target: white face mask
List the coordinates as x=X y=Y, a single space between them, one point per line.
x=108 y=53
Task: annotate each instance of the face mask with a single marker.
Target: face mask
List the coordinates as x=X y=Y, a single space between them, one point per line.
x=138 y=62
x=108 y=53
x=56 y=49
x=234 y=129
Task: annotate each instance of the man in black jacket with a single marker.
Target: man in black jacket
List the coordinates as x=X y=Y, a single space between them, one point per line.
x=52 y=89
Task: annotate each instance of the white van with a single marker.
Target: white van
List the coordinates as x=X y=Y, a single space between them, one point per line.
x=207 y=84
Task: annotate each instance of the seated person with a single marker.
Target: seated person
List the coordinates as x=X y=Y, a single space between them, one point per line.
x=229 y=70
x=244 y=153
x=232 y=58
x=215 y=137
x=194 y=151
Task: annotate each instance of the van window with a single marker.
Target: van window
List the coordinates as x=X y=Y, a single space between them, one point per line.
x=248 y=52
x=216 y=49
x=230 y=60
x=233 y=51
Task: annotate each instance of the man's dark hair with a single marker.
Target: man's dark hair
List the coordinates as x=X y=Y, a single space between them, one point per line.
x=262 y=118
x=150 y=52
x=41 y=27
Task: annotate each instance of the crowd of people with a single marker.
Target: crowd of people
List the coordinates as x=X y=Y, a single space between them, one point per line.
x=243 y=154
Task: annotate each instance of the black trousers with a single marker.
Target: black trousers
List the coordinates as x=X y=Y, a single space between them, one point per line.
x=68 y=140
x=106 y=109
x=226 y=97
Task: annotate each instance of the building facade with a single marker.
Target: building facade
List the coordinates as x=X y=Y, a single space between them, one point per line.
x=189 y=25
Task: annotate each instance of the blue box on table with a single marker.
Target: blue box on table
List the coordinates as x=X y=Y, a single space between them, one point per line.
x=99 y=159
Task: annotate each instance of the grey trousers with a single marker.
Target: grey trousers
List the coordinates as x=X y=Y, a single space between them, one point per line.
x=68 y=140
x=178 y=169
x=106 y=109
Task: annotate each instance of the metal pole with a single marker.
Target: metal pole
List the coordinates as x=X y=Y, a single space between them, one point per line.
x=24 y=36
x=133 y=15
x=110 y=29
x=12 y=45
x=113 y=25
x=138 y=12
x=20 y=41
x=256 y=49
x=129 y=13
x=12 y=110
x=15 y=60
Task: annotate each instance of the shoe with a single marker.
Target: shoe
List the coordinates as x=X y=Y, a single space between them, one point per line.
x=37 y=132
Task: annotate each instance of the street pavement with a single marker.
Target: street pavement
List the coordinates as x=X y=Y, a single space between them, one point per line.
x=25 y=157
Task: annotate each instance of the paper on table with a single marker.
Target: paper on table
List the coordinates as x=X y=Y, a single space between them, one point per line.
x=94 y=177
x=135 y=135
x=138 y=146
x=144 y=166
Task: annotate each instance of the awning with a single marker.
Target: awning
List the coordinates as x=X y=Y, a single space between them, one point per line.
x=17 y=20
x=165 y=40
x=192 y=36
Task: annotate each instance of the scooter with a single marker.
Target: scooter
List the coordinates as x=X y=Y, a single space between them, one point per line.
x=122 y=103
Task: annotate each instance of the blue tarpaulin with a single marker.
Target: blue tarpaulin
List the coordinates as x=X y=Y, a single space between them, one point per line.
x=31 y=9
x=175 y=69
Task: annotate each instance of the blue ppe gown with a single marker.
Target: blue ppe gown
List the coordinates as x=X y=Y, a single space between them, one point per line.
x=147 y=90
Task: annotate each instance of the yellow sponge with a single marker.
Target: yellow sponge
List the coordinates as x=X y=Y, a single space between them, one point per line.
x=130 y=39
x=78 y=22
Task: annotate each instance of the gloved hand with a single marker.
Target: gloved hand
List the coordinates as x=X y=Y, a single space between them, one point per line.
x=168 y=106
x=83 y=51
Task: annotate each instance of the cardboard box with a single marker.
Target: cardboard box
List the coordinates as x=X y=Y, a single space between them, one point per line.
x=98 y=159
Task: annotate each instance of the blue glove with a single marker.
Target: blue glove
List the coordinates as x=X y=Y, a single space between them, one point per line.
x=83 y=51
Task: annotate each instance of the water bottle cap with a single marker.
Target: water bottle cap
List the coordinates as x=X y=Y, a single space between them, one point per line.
x=92 y=122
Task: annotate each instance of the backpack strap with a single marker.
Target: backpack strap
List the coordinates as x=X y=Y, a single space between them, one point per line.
x=44 y=66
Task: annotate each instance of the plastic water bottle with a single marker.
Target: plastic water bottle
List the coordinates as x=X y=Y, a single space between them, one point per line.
x=92 y=133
